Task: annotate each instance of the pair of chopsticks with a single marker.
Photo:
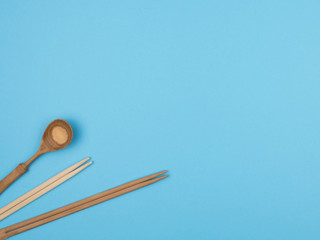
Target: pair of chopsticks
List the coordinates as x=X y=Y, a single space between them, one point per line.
x=43 y=188
x=80 y=205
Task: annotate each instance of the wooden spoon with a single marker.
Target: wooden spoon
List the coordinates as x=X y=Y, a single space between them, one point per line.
x=57 y=135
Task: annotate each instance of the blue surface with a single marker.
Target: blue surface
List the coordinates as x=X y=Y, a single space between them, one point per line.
x=223 y=94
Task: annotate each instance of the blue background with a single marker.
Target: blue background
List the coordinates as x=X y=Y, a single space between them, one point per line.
x=223 y=94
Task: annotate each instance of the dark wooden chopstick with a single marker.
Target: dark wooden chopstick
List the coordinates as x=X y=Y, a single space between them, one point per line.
x=78 y=206
x=83 y=201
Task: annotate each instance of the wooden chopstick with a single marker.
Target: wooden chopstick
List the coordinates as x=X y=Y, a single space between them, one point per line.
x=84 y=201
x=78 y=206
x=43 y=191
x=82 y=207
x=43 y=188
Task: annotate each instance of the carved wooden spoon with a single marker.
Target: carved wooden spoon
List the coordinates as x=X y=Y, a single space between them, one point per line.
x=57 y=135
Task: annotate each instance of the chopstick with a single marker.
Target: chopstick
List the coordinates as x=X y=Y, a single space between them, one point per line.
x=43 y=188
x=85 y=201
x=80 y=205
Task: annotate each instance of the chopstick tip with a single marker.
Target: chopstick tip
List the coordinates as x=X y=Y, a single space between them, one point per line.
x=85 y=159
x=162 y=177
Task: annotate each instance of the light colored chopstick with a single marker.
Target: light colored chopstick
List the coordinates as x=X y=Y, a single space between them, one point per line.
x=78 y=206
x=43 y=191
x=43 y=185
x=43 y=188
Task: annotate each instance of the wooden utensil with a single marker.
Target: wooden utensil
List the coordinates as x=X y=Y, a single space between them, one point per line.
x=57 y=135
x=78 y=206
x=43 y=188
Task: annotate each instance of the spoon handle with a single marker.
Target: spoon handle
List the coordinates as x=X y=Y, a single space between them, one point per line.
x=21 y=169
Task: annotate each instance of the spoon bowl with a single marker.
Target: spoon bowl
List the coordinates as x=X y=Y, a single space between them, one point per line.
x=57 y=135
